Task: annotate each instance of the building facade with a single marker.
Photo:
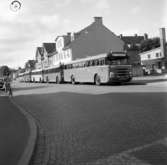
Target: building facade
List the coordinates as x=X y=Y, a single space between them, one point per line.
x=39 y=57
x=92 y=40
x=48 y=51
x=155 y=60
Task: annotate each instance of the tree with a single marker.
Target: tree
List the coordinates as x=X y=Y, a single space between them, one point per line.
x=5 y=71
x=149 y=44
x=30 y=65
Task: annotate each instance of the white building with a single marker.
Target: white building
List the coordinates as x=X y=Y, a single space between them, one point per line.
x=155 y=60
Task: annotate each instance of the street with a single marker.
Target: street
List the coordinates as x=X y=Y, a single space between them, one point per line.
x=88 y=123
x=14 y=132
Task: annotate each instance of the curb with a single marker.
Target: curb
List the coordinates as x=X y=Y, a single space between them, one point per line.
x=149 y=79
x=28 y=151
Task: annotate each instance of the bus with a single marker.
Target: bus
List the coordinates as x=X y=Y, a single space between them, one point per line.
x=103 y=68
x=53 y=74
x=37 y=75
x=21 y=77
x=27 y=76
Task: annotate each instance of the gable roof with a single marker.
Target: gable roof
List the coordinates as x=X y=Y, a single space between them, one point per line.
x=86 y=30
x=78 y=34
x=39 y=51
x=49 y=47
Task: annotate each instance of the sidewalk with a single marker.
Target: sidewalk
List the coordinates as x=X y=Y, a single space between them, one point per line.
x=15 y=132
x=150 y=78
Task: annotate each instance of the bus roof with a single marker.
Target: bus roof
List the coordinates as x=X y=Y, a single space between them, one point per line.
x=20 y=74
x=52 y=67
x=114 y=54
x=36 y=70
x=88 y=58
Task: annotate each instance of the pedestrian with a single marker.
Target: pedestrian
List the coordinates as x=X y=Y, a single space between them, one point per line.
x=10 y=90
x=8 y=87
x=5 y=85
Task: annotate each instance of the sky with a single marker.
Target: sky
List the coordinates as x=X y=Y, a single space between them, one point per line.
x=40 y=21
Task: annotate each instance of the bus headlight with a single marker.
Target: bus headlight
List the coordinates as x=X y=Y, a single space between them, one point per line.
x=112 y=74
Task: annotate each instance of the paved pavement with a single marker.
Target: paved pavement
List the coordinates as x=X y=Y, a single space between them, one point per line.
x=87 y=124
x=14 y=132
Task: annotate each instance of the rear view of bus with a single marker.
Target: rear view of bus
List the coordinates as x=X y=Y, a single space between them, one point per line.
x=119 y=70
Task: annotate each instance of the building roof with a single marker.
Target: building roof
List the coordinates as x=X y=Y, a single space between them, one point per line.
x=49 y=47
x=98 y=21
x=149 y=51
x=40 y=49
x=132 y=39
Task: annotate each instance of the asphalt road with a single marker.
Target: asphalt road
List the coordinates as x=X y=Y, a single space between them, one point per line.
x=14 y=132
x=87 y=123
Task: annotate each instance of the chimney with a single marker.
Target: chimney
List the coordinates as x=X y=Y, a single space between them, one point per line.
x=163 y=42
x=120 y=36
x=145 y=36
x=98 y=20
x=69 y=36
x=73 y=36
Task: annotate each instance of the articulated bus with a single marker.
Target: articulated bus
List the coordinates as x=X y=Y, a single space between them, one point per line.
x=27 y=76
x=21 y=77
x=37 y=75
x=103 y=68
x=53 y=74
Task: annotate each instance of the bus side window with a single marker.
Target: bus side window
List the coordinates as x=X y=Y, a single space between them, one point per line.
x=100 y=62
x=96 y=62
x=93 y=62
x=103 y=62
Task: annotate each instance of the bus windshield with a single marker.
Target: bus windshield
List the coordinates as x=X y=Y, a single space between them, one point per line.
x=117 y=61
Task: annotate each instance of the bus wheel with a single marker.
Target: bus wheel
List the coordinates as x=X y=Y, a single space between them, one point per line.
x=57 y=80
x=97 y=80
x=72 y=80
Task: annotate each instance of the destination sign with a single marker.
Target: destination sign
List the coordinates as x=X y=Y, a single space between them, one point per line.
x=118 y=54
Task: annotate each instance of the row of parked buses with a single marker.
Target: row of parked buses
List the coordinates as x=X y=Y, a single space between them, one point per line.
x=102 y=68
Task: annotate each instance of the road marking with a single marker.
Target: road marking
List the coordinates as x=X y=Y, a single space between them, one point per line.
x=126 y=157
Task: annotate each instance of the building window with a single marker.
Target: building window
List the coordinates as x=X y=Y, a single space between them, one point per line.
x=159 y=65
x=157 y=54
x=149 y=56
x=160 y=54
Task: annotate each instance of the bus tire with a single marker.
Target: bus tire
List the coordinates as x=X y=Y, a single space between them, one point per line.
x=72 y=80
x=97 y=80
x=57 y=80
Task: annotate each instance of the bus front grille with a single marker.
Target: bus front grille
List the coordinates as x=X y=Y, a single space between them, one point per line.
x=122 y=72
